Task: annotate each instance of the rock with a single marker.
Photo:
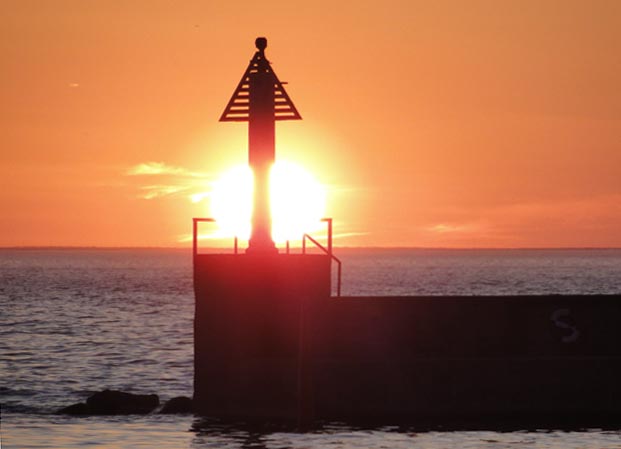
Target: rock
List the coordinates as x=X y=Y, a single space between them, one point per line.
x=75 y=409
x=112 y=402
x=180 y=404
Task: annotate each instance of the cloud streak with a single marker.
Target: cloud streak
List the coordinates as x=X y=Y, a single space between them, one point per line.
x=443 y=228
x=156 y=191
x=584 y=222
x=168 y=180
x=161 y=169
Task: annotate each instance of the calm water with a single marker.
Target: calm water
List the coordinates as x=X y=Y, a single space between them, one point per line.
x=77 y=321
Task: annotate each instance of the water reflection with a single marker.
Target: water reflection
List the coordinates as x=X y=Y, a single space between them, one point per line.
x=210 y=433
x=26 y=431
x=214 y=433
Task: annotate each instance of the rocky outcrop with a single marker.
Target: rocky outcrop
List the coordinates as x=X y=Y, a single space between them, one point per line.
x=180 y=404
x=112 y=402
x=76 y=409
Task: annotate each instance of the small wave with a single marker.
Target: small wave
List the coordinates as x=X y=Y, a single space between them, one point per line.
x=18 y=407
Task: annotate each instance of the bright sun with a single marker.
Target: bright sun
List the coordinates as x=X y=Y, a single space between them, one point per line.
x=297 y=201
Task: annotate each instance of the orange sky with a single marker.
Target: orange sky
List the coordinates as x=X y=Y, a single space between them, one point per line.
x=444 y=123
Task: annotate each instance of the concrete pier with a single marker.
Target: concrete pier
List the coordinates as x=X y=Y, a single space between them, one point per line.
x=251 y=358
x=270 y=343
x=284 y=349
x=540 y=358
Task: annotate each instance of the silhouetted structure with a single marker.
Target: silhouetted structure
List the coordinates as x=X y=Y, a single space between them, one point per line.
x=272 y=343
x=247 y=329
x=260 y=99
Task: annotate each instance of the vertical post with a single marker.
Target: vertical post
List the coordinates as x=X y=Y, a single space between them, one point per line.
x=261 y=150
x=329 y=220
x=338 y=280
x=194 y=237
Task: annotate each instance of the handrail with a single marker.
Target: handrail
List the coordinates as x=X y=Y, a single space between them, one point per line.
x=195 y=222
x=328 y=251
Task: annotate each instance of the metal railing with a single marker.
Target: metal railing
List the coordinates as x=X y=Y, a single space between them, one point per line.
x=195 y=222
x=305 y=237
x=328 y=251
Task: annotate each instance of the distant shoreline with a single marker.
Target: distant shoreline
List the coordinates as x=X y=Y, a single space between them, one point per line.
x=336 y=248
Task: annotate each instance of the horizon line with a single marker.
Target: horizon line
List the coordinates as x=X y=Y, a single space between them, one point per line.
x=470 y=248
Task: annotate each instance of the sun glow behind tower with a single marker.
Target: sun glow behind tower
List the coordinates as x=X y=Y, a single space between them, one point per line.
x=297 y=202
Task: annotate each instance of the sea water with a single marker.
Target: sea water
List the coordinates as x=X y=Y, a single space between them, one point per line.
x=78 y=321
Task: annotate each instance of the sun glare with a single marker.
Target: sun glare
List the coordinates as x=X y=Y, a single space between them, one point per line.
x=297 y=202
x=231 y=202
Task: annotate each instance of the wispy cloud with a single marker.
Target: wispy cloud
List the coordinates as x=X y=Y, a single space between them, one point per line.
x=169 y=180
x=446 y=228
x=160 y=168
x=587 y=221
x=198 y=197
x=155 y=191
x=342 y=235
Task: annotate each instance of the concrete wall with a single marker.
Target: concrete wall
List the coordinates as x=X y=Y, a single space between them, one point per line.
x=250 y=315
x=467 y=356
x=270 y=343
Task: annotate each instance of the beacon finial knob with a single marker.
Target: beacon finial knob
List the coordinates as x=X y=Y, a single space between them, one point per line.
x=261 y=43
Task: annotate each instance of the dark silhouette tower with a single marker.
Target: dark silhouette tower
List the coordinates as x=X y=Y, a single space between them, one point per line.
x=260 y=100
x=252 y=309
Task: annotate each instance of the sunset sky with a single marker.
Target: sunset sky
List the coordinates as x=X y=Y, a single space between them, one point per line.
x=432 y=123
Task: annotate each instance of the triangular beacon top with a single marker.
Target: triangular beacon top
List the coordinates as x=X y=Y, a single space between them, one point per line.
x=238 y=107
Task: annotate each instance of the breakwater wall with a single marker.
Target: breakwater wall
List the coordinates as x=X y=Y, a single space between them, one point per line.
x=271 y=343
